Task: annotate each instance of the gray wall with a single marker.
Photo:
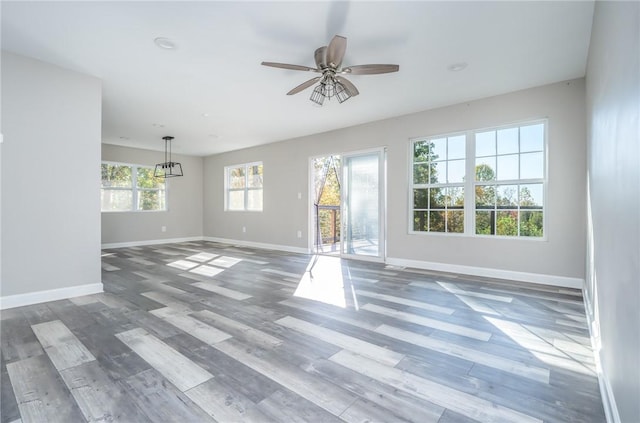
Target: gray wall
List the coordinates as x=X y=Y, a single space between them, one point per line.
x=50 y=181
x=286 y=174
x=613 y=264
x=183 y=219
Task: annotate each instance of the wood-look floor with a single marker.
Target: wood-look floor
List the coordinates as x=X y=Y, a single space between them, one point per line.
x=200 y=331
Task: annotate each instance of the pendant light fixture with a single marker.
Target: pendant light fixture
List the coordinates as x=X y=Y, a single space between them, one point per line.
x=169 y=168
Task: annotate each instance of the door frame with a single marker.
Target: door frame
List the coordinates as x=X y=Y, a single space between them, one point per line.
x=382 y=203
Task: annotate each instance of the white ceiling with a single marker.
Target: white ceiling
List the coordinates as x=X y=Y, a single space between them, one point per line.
x=216 y=69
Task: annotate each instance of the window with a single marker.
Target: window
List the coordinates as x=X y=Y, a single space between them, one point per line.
x=438 y=184
x=509 y=181
x=131 y=188
x=506 y=192
x=243 y=187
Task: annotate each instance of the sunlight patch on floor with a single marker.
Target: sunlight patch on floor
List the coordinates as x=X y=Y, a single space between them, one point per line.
x=205 y=264
x=323 y=282
x=549 y=351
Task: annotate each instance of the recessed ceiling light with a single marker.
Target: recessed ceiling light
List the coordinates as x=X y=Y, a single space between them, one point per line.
x=205 y=115
x=164 y=43
x=124 y=138
x=157 y=125
x=457 y=67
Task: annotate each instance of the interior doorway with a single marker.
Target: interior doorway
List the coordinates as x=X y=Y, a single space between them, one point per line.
x=326 y=204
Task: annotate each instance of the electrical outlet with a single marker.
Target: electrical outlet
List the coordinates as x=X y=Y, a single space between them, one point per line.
x=299 y=234
x=163 y=229
x=244 y=229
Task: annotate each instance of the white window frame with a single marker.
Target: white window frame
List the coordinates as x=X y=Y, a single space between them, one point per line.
x=135 y=189
x=246 y=189
x=470 y=183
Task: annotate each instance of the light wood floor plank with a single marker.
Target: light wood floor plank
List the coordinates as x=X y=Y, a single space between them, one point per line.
x=194 y=327
x=500 y=363
x=177 y=368
x=61 y=345
x=428 y=322
x=233 y=327
x=404 y=301
x=168 y=301
x=366 y=349
x=40 y=393
x=460 y=402
x=230 y=293
x=454 y=289
x=224 y=404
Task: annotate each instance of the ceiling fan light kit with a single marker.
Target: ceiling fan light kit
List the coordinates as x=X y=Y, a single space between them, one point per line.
x=168 y=168
x=328 y=63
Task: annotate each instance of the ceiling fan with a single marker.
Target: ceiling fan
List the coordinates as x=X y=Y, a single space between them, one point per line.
x=328 y=63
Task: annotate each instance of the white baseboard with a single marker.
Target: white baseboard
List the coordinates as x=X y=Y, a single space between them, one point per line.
x=150 y=242
x=606 y=392
x=30 y=298
x=561 y=281
x=261 y=245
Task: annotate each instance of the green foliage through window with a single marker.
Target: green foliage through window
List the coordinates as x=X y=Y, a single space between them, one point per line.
x=438 y=184
x=508 y=185
x=131 y=188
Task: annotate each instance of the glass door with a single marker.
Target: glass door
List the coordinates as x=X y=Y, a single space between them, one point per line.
x=363 y=202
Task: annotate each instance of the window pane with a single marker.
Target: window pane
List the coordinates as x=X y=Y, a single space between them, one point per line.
x=146 y=179
x=236 y=200
x=507 y=167
x=508 y=141
x=116 y=200
x=531 y=165
x=116 y=176
x=486 y=144
x=455 y=198
x=507 y=223
x=236 y=177
x=438 y=198
x=507 y=196
x=255 y=176
x=457 y=147
x=438 y=173
x=420 y=222
x=485 y=197
x=439 y=151
x=456 y=171
x=421 y=173
x=436 y=221
x=150 y=200
x=531 y=223
x=532 y=138
x=484 y=222
x=421 y=151
x=254 y=199
x=455 y=221
x=486 y=169
x=420 y=198
x=531 y=196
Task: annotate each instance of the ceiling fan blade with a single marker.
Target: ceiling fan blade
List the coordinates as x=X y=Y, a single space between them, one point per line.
x=290 y=67
x=321 y=57
x=304 y=85
x=370 y=69
x=335 y=51
x=351 y=89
